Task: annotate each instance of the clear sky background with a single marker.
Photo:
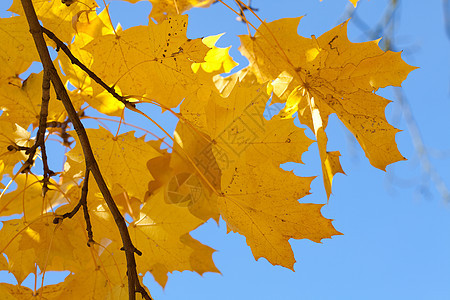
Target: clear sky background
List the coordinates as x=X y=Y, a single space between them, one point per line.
x=396 y=225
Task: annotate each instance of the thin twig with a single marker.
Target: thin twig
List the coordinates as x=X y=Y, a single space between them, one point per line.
x=81 y=203
x=60 y=45
x=40 y=136
x=43 y=129
x=62 y=126
x=61 y=92
x=84 y=192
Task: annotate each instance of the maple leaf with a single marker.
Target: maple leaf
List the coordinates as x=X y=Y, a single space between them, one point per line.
x=21 y=262
x=19 y=292
x=87 y=90
x=161 y=235
x=120 y=158
x=55 y=248
x=330 y=75
x=101 y=278
x=56 y=16
x=22 y=104
x=17 y=47
x=162 y=9
x=154 y=60
x=25 y=199
x=28 y=242
x=11 y=136
x=217 y=60
x=237 y=129
x=261 y=203
x=256 y=198
x=183 y=185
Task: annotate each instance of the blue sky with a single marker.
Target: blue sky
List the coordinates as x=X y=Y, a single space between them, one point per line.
x=396 y=225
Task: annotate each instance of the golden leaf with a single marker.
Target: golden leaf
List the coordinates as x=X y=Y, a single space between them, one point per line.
x=217 y=60
x=154 y=60
x=260 y=202
x=256 y=197
x=11 y=136
x=161 y=235
x=122 y=159
x=339 y=77
x=161 y=9
x=17 y=47
x=22 y=104
x=56 y=16
x=27 y=198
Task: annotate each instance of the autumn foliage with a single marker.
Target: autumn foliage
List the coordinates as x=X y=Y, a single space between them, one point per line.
x=222 y=161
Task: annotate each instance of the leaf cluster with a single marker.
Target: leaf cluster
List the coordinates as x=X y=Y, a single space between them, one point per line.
x=221 y=161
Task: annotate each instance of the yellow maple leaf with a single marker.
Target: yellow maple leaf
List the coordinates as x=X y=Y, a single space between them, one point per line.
x=17 y=47
x=22 y=104
x=330 y=75
x=102 y=278
x=56 y=248
x=154 y=60
x=217 y=59
x=20 y=262
x=256 y=197
x=182 y=184
x=161 y=235
x=11 y=136
x=56 y=16
x=19 y=292
x=122 y=159
x=86 y=88
x=260 y=202
x=161 y=9
x=240 y=131
x=27 y=198
x=237 y=130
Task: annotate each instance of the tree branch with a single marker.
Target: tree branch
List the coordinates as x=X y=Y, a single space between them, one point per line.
x=61 y=92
